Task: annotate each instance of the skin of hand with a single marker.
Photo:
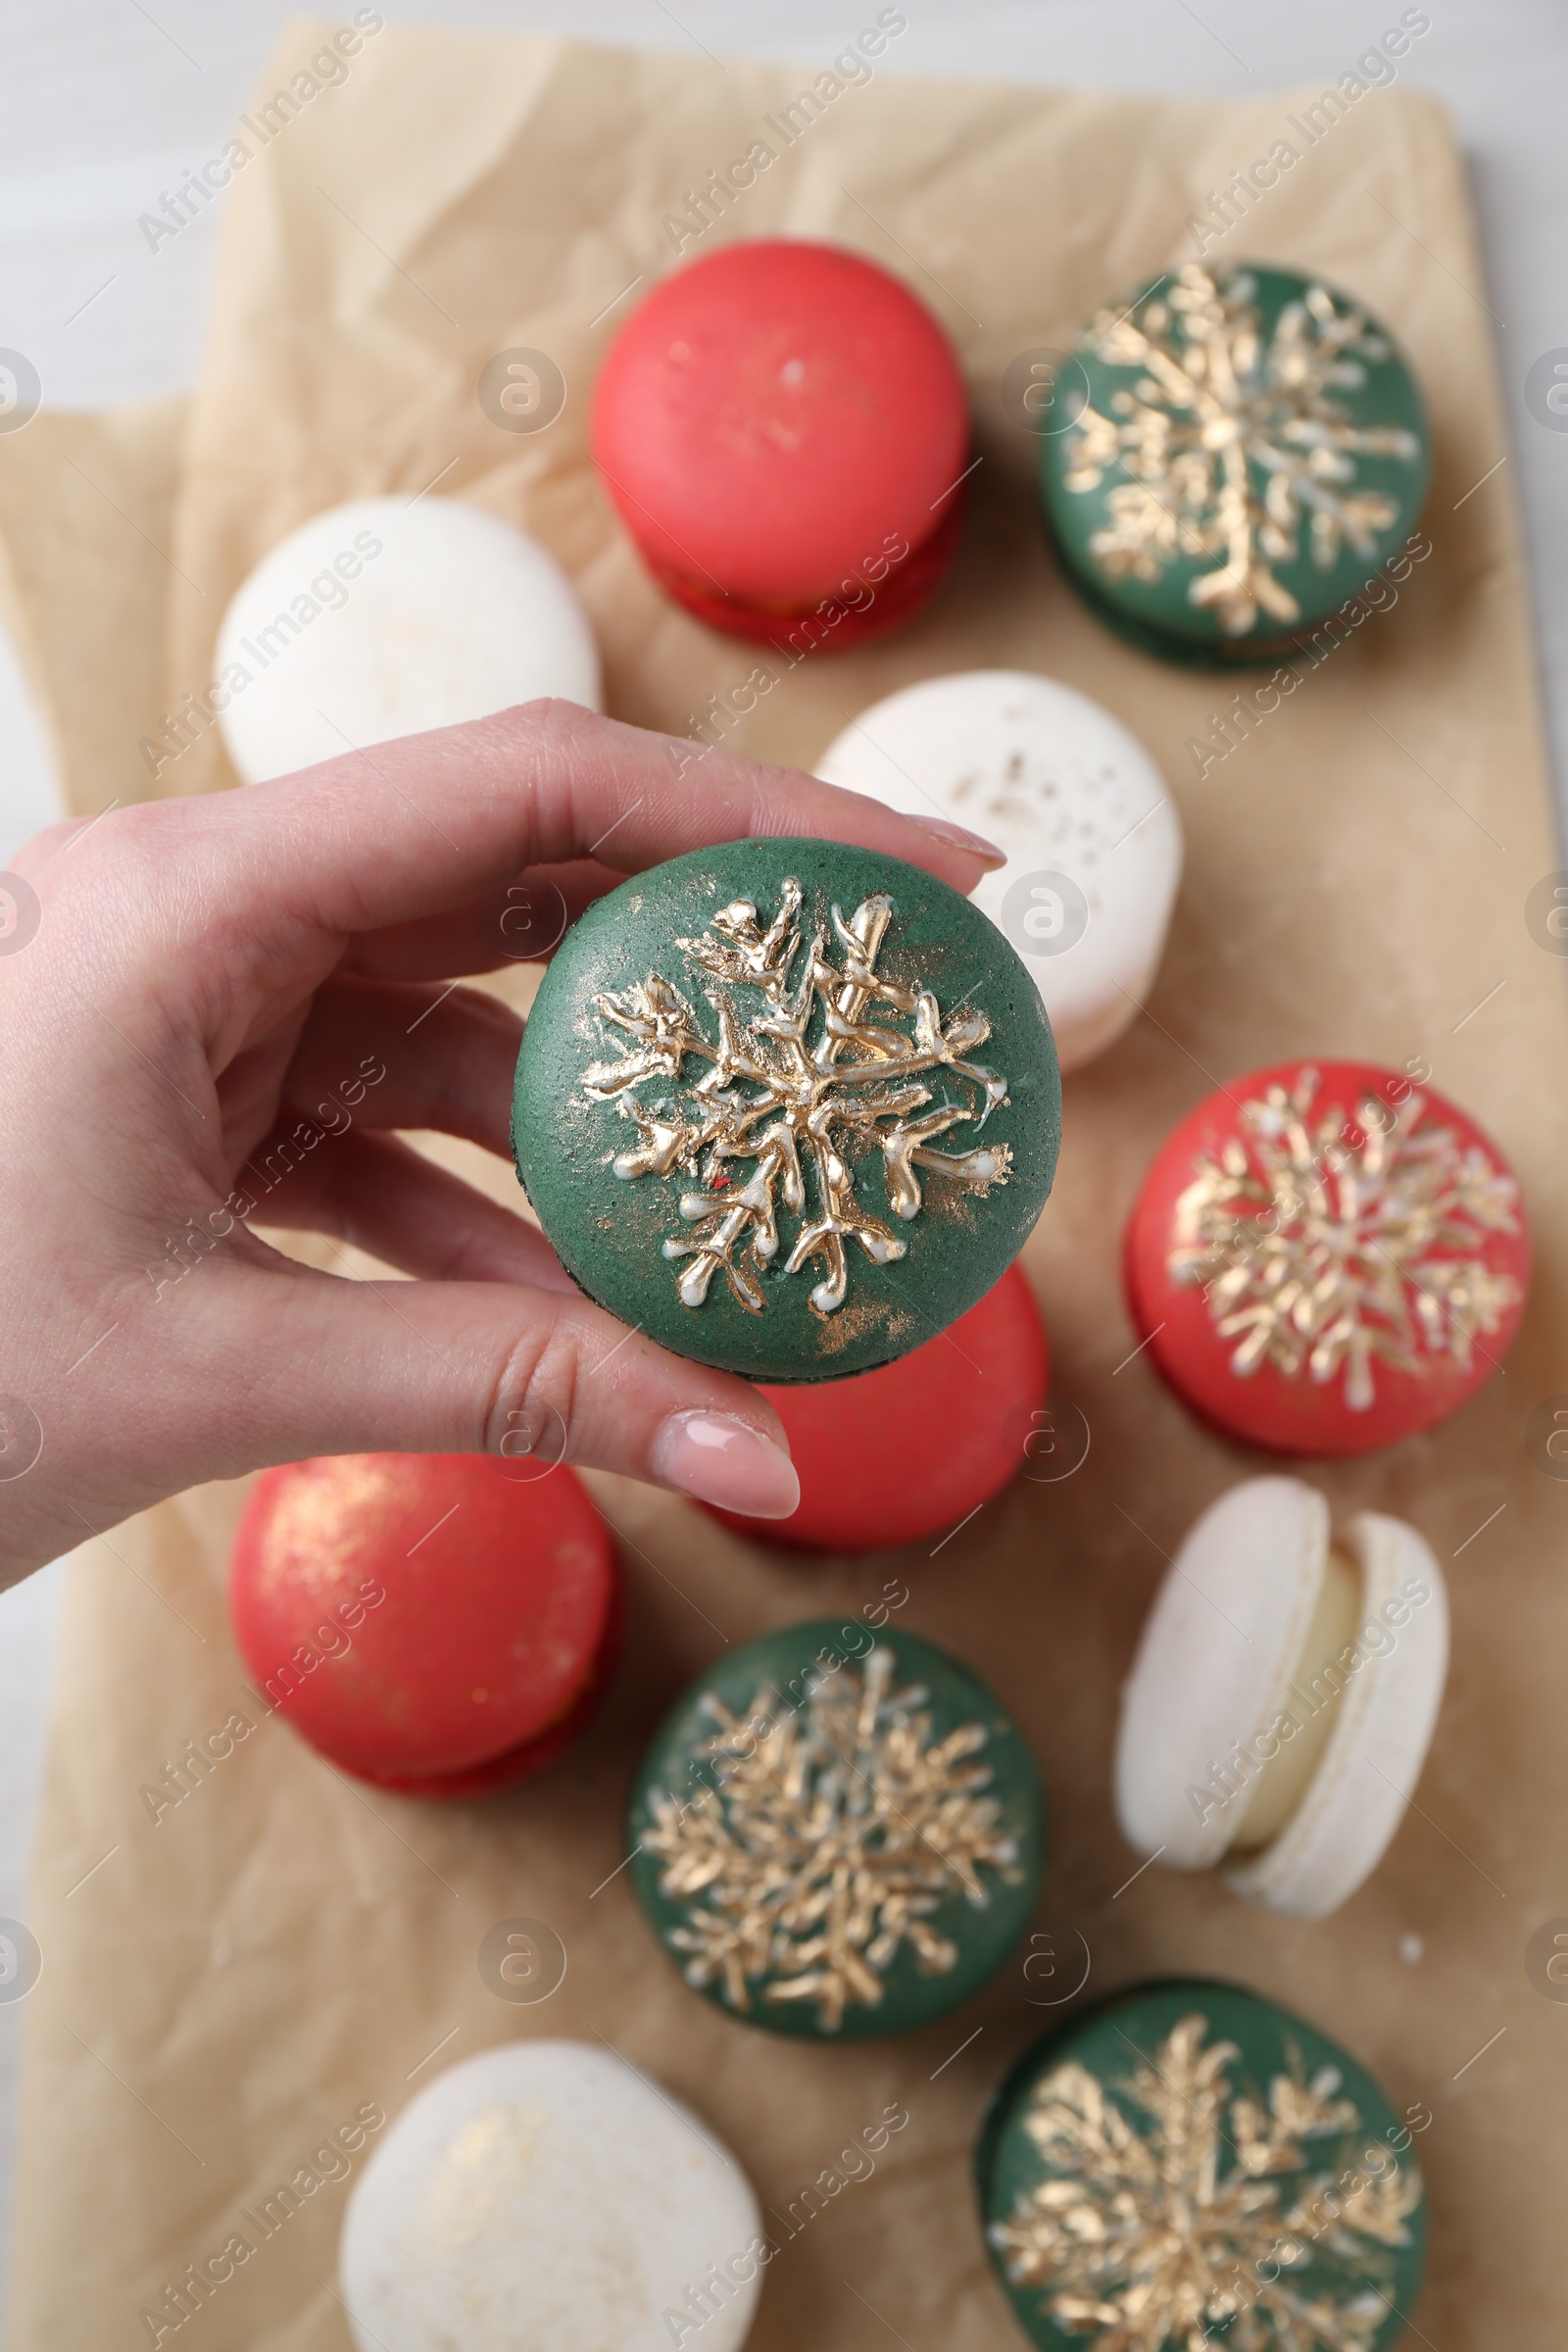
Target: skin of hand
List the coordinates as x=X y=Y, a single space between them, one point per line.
x=198 y=981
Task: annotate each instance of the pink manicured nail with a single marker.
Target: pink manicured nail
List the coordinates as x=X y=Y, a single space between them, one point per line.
x=956 y=837
x=721 y=1459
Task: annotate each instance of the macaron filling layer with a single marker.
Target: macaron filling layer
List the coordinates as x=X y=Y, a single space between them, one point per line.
x=1282 y=1785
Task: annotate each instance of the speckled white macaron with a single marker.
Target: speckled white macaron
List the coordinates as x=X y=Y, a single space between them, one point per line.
x=384 y=617
x=545 y=2194
x=1092 y=840
x=1283 y=1698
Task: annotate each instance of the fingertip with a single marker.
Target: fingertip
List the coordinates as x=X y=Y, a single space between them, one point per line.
x=719 y=1458
x=958 y=837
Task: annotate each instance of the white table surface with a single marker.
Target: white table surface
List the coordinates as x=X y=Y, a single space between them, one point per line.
x=103 y=103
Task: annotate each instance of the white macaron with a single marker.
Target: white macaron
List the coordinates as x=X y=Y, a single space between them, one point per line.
x=1282 y=1700
x=1092 y=840
x=545 y=2194
x=385 y=618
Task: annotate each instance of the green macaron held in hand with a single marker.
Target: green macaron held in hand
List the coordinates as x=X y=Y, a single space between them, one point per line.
x=838 y=1834
x=789 y=1107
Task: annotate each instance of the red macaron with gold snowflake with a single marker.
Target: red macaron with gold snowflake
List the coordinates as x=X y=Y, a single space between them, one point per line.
x=1327 y=1256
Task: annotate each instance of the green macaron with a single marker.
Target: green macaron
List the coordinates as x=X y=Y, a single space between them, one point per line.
x=789 y=1107
x=1185 y=2164
x=838 y=1833
x=1246 y=448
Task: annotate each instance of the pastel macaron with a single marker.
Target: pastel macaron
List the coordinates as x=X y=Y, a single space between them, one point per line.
x=837 y=1833
x=549 y=2194
x=1093 y=838
x=1327 y=1256
x=440 y=1624
x=388 y=616
x=784 y=430
x=1185 y=2163
x=916 y=1448
x=1283 y=1698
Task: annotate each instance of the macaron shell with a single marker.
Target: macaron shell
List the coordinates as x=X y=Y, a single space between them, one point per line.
x=775 y=414
x=1377 y=1747
x=455 y=614
x=545 y=2194
x=1214 y=1661
x=960 y=1407
x=1178 y=1315
x=493 y=1776
x=1065 y=789
x=862 y=606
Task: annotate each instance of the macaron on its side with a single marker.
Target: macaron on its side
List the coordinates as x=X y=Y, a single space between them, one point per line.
x=911 y=1451
x=1391 y=1693
x=1093 y=838
x=775 y=421
x=1325 y=1257
x=544 y=2194
x=1283 y=1698
x=384 y=617
x=419 y=1616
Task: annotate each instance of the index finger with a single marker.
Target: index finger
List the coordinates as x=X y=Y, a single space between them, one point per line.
x=412 y=828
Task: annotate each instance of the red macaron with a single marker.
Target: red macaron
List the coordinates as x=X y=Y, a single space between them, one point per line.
x=1326 y=1258
x=440 y=1624
x=784 y=430
x=914 y=1448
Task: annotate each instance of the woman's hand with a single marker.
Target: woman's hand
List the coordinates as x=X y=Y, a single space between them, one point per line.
x=226 y=1004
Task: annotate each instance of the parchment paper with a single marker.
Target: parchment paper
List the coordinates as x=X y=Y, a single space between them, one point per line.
x=231 y=1984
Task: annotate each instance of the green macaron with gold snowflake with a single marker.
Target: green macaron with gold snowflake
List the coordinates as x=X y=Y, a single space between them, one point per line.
x=1184 y=2165
x=787 y=1106
x=1245 y=447
x=838 y=1834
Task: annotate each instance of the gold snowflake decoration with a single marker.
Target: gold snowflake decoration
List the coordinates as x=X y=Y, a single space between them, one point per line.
x=830 y=1835
x=1228 y=447
x=1215 y=2212
x=801 y=1078
x=1327 y=1245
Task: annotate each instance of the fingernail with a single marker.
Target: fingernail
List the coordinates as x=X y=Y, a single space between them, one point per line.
x=957 y=838
x=721 y=1459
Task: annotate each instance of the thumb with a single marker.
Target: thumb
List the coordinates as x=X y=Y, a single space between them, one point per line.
x=335 y=1366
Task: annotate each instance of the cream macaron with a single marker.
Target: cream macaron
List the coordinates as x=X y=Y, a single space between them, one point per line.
x=545 y=2193
x=1283 y=1698
x=387 y=617
x=1093 y=839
